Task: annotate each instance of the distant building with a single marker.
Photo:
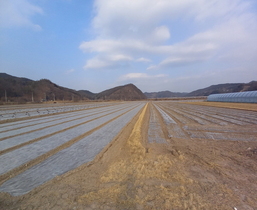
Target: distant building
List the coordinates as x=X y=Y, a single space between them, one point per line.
x=239 y=97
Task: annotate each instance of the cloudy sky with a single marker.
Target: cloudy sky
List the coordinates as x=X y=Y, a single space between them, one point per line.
x=176 y=45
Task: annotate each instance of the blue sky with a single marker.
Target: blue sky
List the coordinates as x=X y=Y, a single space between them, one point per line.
x=157 y=45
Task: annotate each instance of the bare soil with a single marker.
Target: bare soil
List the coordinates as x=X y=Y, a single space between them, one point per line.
x=130 y=173
x=243 y=106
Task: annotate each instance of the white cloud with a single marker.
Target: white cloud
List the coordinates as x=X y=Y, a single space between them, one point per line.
x=152 y=67
x=188 y=82
x=186 y=53
x=18 y=13
x=115 y=18
x=97 y=63
x=144 y=81
x=191 y=82
x=69 y=71
x=137 y=48
x=120 y=57
x=107 y=61
x=143 y=60
x=132 y=28
x=129 y=46
x=133 y=76
x=134 y=18
x=160 y=34
x=166 y=35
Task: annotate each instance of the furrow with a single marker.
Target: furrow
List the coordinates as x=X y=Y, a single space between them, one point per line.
x=155 y=132
x=80 y=152
x=175 y=130
x=29 y=152
x=27 y=122
x=165 y=116
x=17 y=140
x=40 y=126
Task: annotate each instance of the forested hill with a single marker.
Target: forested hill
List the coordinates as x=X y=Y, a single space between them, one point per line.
x=164 y=94
x=225 y=88
x=127 y=93
x=18 y=89
x=220 y=88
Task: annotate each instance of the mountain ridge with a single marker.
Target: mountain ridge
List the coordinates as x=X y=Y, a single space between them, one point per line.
x=22 y=90
x=224 y=88
x=126 y=92
x=164 y=94
x=213 y=89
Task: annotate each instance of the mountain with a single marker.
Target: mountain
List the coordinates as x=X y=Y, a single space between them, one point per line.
x=22 y=90
x=220 y=88
x=87 y=94
x=25 y=90
x=225 y=88
x=127 y=93
x=164 y=94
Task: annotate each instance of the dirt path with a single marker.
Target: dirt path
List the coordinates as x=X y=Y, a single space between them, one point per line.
x=130 y=173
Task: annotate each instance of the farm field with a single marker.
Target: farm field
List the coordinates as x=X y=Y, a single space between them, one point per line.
x=14 y=112
x=243 y=106
x=128 y=155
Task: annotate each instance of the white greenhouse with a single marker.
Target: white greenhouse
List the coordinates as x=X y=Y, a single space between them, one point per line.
x=240 y=97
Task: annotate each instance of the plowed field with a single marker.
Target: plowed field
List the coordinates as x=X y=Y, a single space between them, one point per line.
x=130 y=155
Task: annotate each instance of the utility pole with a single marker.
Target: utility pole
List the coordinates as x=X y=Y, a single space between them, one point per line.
x=32 y=98
x=5 y=96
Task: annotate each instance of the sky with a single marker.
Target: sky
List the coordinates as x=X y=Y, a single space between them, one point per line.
x=158 y=45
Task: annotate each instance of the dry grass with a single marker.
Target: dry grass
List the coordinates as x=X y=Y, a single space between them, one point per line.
x=140 y=180
x=185 y=174
x=243 y=106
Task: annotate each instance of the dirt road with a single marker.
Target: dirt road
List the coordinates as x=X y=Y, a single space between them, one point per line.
x=169 y=156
